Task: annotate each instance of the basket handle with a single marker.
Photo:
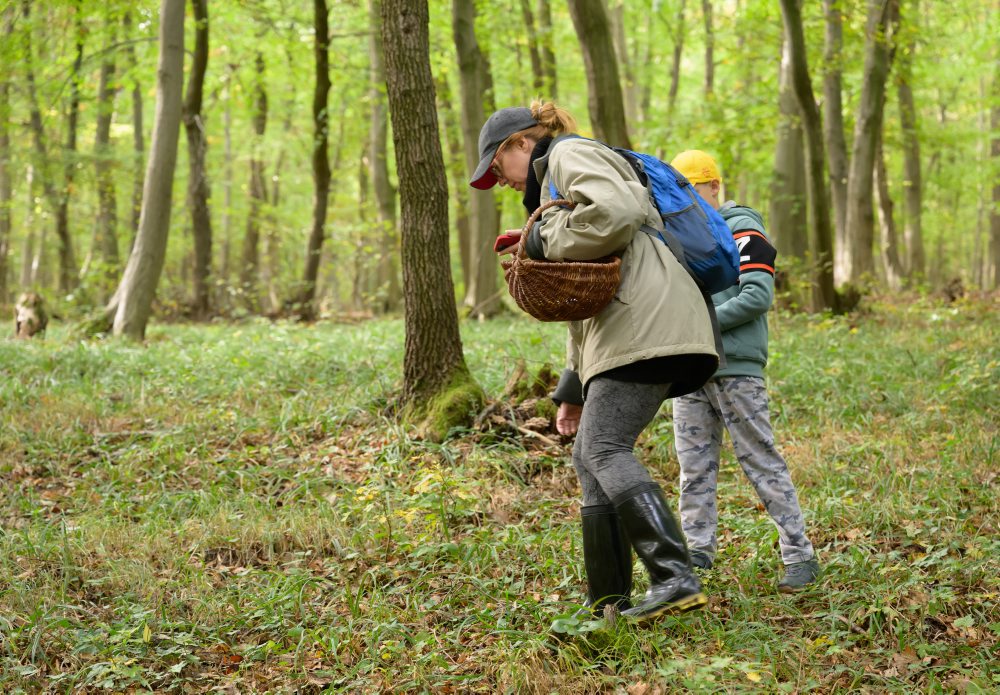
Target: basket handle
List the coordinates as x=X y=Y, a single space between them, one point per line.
x=526 y=229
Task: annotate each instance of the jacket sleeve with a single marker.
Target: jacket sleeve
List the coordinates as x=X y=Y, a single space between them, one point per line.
x=611 y=204
x=756 y=291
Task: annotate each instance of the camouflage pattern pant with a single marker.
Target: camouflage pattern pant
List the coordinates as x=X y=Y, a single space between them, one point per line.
x=740 y=403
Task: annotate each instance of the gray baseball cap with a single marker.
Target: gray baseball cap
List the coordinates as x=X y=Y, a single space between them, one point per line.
x=498 y=127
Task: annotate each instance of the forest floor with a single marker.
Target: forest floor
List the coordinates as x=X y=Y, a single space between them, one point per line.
x=226 y=508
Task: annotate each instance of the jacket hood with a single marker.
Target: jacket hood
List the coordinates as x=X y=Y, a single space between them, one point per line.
x=731 y=210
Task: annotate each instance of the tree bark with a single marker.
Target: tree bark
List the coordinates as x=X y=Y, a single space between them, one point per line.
x=833 y=122
x=887 y=222
x=388 y=292
x=995 y=156
x=107 y=215
x=916 y=261
x=824 y=296
x=227 y=176
x=532 y=37
x=476 y=84
x=630 y=90
x=857 y=260
x=545 y=39
x=605 y=104
x=138 y=138
x=142 y=273
x=457 y=169
x=675 y=66
x=198 y=189
x=249 y=272
x=433 y=347
x=788 y=214
x=320 y=159
x=6 y=185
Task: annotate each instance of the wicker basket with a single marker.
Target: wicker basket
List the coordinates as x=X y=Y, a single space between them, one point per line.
x=560 y=290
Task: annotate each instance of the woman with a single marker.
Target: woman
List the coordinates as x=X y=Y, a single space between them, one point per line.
x=652 y=342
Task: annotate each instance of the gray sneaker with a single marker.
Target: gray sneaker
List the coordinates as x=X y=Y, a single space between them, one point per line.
x=798 y=576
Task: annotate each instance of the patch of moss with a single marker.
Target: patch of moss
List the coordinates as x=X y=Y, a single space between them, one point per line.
x=454 y=407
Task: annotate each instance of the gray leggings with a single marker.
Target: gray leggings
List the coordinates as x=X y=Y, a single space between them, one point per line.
x=615 y=413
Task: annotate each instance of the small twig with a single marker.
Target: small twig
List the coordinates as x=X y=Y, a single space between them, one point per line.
x=530 y=433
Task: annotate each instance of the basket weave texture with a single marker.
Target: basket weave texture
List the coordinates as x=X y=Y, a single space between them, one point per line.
x=560 y=290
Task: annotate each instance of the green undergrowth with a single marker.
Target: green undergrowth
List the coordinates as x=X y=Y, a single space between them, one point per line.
x=226 y=508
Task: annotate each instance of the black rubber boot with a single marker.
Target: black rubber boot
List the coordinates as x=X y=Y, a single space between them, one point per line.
x=659 y=543
x=607 y=558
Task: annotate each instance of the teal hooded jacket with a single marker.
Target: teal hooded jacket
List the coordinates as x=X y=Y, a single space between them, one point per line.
x=742 y=309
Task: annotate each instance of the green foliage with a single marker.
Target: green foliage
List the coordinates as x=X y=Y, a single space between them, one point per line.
x=226 y=507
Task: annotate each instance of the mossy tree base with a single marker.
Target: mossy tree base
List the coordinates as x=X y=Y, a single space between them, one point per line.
x=455 y=406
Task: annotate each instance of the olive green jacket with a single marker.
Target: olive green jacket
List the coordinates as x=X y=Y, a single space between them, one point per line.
x=658 y=311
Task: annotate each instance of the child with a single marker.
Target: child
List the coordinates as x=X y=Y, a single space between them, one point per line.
x=736 y=397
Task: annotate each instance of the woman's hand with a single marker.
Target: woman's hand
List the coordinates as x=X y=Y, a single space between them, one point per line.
x=507 y=242
x=568 y=418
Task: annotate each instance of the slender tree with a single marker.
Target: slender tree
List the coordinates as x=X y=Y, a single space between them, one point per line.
x=476 y=84
x=6 y=185
x=630 y=88
x=548 y=54
x=106 y=229
x=138 y=134
x=142 y=273
x=824 y=296
x=995 y=154
x=531 y=32
x=833 y=121
x=912 y=175
x=605 y=103
x=891 y=263
x=855 y=259
x=320 y=158
x=388 y=291
x=249 y=272
x=706 y=13
x=433 y=365
x=197 y=142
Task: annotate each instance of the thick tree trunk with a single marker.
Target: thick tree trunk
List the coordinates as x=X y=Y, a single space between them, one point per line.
x=788 y=215
x=198 y=189
x=432 y=359
x=912 y=176
x=833 y=121
x=546 y=41
x=142 y=273
x=857 y=260
x=607 y=110
x=706 y=11
x=887 y=222
x=249 y=272
x=320 y=159
x=481 y=295
x=819 y=206
x=388 y=292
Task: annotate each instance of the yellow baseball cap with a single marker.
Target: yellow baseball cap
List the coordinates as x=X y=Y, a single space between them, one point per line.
x=697 y=166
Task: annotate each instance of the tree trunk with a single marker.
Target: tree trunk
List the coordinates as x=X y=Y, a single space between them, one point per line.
x=833 y=122
x=706 y=11
x=912 y=179
x=107 y=215
x=6 y=185
x=457 y=168
x=607 y=111
x=67 y=261
x=532 y=38
x=545 y=39
x=481 y=295
x=142 y=273
x=432 y=360
x=675 y=66
x=389 y=293
x=320 y=159
x=887 y=223
x=258 y=195
x=198 y=190
x=788 y=214
x=138 y=139
x=630 y=90
x=227 y=180
x=31 y=233
x=819 y=206
x=857 y=260
x=995 y=155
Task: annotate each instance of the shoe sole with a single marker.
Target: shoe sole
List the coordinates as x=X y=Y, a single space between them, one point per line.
x=684 y=605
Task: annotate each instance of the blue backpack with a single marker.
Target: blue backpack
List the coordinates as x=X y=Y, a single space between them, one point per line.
x=708 y=246
x=696 y=233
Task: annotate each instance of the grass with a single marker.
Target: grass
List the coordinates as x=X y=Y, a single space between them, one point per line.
x=225 y=508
